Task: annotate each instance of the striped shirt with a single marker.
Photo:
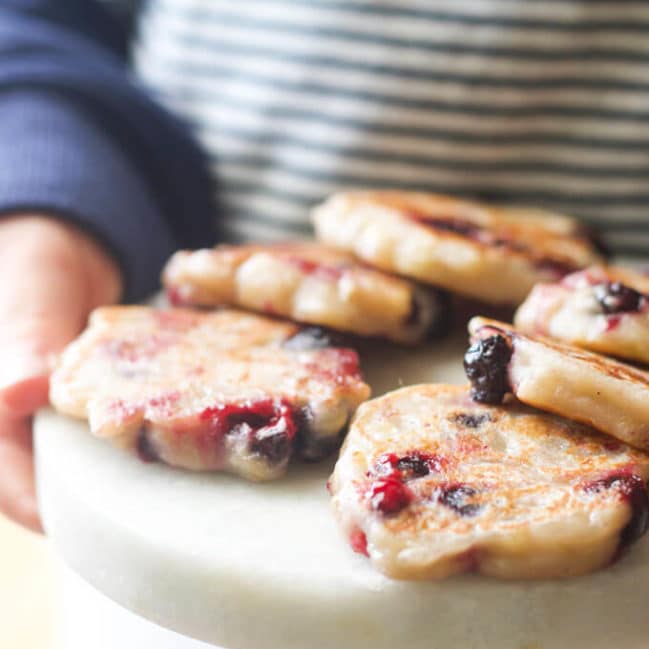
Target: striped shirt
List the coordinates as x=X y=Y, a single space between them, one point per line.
x=537 y=103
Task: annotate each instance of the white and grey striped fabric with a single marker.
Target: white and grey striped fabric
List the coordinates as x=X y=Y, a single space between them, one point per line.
x=542 y=103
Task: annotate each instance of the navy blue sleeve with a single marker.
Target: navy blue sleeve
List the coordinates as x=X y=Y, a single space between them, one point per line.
x=81 y=141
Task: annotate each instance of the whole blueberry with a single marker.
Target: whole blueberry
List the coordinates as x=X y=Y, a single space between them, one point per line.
x=615 y=297
x=458 y=498
x=485 y=364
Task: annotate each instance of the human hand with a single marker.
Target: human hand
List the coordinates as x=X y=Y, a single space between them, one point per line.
x=51 y=276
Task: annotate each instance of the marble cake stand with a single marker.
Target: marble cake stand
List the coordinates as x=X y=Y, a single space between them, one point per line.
x=218 y=560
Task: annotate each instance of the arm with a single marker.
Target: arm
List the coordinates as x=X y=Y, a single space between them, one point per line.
x=96 y=186
x=50 y=64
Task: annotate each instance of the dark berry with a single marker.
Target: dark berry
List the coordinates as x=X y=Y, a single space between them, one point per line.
x=389 y=495
x=144 y=447
x=438 y=303
x=470 y=420
x=639 y=521
x=274 y=446
x=270 y=425
x=614 y=297
x=274 y=440
x=485 y=364
x=413 y=466
x=595 y=239
x=514 y=246
x=313 y=449
x=457 y=498
x=633 y=490
x=457 y=226
x=310 y=338
x=414 y=315
x=309 y=446
x=407 y=467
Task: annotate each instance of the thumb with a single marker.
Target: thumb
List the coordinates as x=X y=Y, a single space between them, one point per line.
x=53 y=276
x=41 y=309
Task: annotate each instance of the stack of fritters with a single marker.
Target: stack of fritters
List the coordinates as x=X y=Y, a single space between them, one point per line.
x=528 y=472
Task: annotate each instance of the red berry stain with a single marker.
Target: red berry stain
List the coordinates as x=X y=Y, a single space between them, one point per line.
x=347 y=362
x=389 y=495
x=270 y=425
x=469 y=559
x=175 y=297
x=613 y=322
x=139 y=350
x=269 y=307
x=467 y=445
x=384 y=465
x=124 y=409
x=631 y=489
x=264 y=412
x=176 y=320
x=358 y=541
x=337 y=364
x=323 y=271
x=163 y=404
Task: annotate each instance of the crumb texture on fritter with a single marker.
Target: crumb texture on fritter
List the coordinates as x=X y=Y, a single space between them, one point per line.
x=493 y=254
x=308 y=282
x=430 y=483
x=602 y=309
x=209 y=391
x=574 y=383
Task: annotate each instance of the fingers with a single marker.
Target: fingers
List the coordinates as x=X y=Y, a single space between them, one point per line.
x=41 y=308
x=17 y=492
x=23 y=397
x=52 y=276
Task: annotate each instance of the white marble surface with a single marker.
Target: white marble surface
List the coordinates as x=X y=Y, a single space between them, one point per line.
x=250 y=566
x=89 y=619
